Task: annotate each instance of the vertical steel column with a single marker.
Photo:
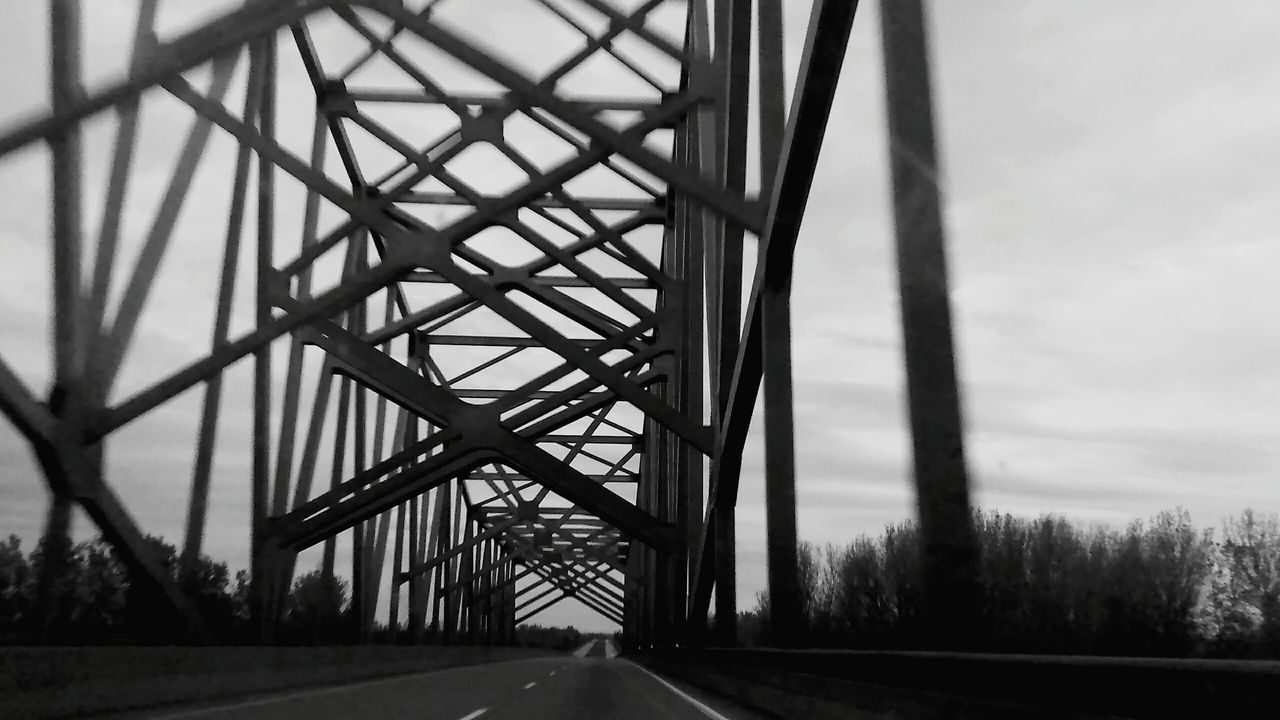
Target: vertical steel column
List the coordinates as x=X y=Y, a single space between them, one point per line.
x=315 y=428
x=450 y=566
x=362 y=534
x=55 y=547
x=356 y=610
x=420 y=586
x=500 y=586
x=786 y=620
x=104 y=262
x=671 y=568
x=358 y=589
x=772 y=93
x=440 y=544
x=339 y=463
x=375 y=562
x=197 y=509
x=497 y=596
x=509 y=598
x=467 y=583
x=417 y=606
x=397 y=564
x=198 y=506
x=464 y=586
x=293 y=381
x=262 y=570
x=655 y=632
x=490 y=605
x=509 y=603
x=460 y=539
x=634 y=594
x=398 y=443
x=66 y=220
x=786 y=623
x=948 y=547
x=479 y=586
x=708 y=228
x=693 y=462
x=482 y=606
x=473 y=590
x=440 y=576
x=687 y=463
x=733 y=46
x=508 y=589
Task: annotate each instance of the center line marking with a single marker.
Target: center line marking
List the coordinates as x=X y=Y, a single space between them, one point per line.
x=475 y=714
x=526 y=687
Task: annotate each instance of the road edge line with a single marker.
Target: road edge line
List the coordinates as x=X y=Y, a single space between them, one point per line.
x=687 y=697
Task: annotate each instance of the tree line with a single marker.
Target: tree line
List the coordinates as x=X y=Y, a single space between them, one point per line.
x=95 y=603
x=1155 y=588
x=550 y=637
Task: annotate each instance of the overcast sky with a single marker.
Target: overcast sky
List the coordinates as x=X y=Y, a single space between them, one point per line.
x=1111 y=177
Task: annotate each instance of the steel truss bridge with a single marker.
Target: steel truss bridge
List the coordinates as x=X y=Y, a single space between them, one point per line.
x=508 y=297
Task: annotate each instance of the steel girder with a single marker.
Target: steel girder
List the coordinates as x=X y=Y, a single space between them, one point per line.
x=520 y=275
x=421 y=437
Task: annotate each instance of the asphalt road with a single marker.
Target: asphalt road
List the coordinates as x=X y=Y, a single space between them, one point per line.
x=553 y=688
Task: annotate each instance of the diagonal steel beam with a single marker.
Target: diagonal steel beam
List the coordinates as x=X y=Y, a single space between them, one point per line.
x=734 y=209
x=492 y=531
x=479 y=427
x=19 y=404
x=165 y=61
x=479 y=288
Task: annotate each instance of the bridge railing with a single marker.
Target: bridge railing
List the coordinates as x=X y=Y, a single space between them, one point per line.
x=833 y=683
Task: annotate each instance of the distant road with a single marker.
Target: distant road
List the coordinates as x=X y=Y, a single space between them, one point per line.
x=588 y=688
x=597 y=649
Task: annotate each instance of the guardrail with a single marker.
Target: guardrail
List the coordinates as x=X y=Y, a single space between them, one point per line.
x=844 y=683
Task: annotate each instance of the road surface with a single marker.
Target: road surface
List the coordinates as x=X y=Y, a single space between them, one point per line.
x=554 y=688
x=597 y=649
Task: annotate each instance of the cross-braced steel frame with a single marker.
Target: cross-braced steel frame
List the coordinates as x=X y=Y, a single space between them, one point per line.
x=518 y=392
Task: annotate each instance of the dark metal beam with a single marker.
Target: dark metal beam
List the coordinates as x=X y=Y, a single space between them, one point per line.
x=828 y=36
x=591 y=203
x=629 y=283
x=949 y=547
x=479 y=428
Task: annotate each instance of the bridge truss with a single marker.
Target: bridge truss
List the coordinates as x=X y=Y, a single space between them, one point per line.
x=506 y=297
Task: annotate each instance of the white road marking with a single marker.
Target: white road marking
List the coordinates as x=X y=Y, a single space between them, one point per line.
x=535 y=682
x=475 y=714
x=705 y=710
x=582 y=651
x=553 y=672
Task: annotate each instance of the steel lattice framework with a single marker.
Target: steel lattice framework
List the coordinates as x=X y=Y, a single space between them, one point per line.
x=513 y=330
